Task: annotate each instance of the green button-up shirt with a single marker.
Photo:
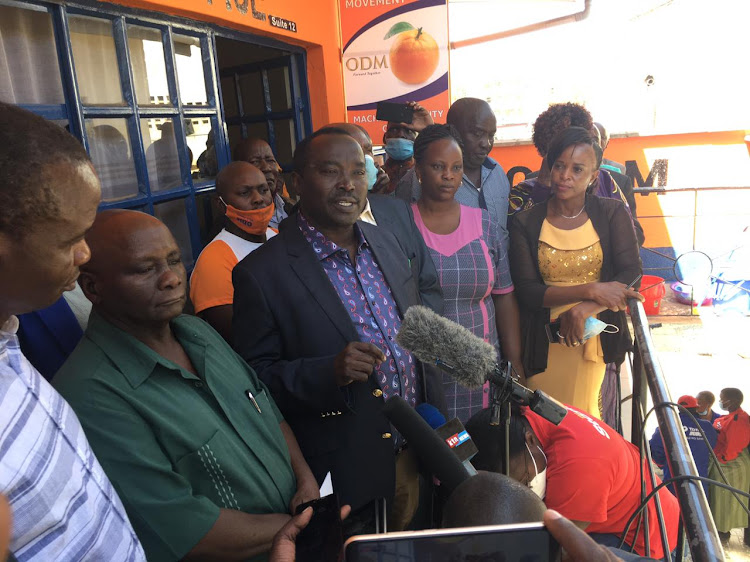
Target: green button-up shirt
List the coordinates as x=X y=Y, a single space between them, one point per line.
x=176 y=446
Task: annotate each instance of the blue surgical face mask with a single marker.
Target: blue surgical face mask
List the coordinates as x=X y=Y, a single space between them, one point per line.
x=399 y=149
x=593 y=327
x=371 y=170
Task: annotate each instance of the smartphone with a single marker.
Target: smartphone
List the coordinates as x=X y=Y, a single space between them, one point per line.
x=322 y=540
x=396 y=112
x=524 y=542
x=552 y=329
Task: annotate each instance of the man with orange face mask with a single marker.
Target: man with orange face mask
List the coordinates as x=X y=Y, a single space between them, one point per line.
x=248 y=206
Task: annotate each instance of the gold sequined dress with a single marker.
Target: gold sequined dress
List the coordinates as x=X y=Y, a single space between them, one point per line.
x=574 y=375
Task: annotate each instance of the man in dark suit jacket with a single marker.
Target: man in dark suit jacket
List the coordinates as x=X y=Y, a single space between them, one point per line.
x=308 y=306
x=396 y=217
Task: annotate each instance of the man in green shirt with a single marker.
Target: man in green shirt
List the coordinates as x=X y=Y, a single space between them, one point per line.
x=191 y=439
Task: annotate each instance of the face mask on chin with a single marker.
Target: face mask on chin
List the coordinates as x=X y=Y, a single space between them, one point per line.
x=538 y=484
x=253 y=222
x=703 y=413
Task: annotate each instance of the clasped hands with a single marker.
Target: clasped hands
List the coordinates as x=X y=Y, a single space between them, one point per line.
x=612 y=295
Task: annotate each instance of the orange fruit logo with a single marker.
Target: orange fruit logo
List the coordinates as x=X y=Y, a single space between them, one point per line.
x=414 y=54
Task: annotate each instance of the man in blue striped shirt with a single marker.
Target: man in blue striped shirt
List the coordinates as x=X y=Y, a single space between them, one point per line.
x=64 y=507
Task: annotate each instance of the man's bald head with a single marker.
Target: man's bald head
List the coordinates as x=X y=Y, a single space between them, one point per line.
x=490 y=498
x=112 y=232
x=236 y=173
x=358 y=133
x=135 y=277
x=465 y=109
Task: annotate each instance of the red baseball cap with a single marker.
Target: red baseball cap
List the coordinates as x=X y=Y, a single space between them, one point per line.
x=688 y=401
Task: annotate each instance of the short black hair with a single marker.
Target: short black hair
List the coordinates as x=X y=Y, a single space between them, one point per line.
x=490 y=439
x=733 y=394
x=29 y=144
x=432 y=133
x=299 y=160
x=554 y=119
x=570 y=137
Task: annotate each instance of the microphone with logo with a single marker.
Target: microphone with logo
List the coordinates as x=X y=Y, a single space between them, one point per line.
x=453 y=433
x=469 y=360
x=428 y=446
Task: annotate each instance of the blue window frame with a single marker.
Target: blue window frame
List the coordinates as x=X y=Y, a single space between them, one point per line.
x=115 y=125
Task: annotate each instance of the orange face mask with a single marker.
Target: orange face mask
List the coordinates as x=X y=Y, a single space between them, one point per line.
x=253 y=222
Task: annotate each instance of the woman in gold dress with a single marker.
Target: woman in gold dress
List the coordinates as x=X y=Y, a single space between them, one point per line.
x=572 y=258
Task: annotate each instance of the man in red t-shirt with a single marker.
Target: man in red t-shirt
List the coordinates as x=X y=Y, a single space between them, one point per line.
x=581 y=468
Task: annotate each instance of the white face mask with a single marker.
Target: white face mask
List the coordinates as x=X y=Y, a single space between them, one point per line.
x=538 y=484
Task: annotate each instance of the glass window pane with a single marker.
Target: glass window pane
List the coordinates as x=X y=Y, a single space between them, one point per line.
x=284 y=130
x=281 y=93
x=235 y=136
x=29 y=71
x=251 y=89
x=147 y=62
x=200 y=140
x=96 y=61
x=189 y=63
x=109 y=147
x=229 y=97
x=160 y=144
x=210 y=218
x=173 y=214
x=257 y=131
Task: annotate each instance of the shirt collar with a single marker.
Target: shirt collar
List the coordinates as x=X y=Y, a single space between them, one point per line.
x=322 y=246
x=367 y=215
x=10 y=327
x=133 y=358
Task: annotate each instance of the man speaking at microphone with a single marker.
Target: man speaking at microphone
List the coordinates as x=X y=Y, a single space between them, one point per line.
x=316 y=313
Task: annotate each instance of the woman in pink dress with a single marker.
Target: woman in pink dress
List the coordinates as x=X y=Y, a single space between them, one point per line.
x=470 y=259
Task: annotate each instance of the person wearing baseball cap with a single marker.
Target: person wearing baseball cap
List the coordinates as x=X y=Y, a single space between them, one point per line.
x=698 y=446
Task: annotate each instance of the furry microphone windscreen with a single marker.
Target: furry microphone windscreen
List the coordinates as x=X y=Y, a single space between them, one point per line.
x=434 y=340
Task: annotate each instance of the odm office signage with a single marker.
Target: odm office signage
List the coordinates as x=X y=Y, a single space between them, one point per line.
x=394 y=50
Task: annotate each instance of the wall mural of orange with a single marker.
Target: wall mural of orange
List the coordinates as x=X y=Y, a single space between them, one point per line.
x=394 y=54
x=414 y=54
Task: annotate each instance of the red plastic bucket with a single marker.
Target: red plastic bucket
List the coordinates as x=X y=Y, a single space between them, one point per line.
x=653 y=289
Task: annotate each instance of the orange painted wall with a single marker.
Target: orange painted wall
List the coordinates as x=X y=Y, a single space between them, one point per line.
x=317 y=31
x=684 y=220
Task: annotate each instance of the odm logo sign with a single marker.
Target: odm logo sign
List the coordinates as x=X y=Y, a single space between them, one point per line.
x=414 y=54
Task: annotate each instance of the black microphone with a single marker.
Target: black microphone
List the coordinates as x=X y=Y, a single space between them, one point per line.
x=433 y=451
x=468 y=359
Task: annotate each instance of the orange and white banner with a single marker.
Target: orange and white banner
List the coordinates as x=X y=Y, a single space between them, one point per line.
x=396 y=51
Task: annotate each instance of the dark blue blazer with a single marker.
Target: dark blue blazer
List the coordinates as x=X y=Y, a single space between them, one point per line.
x=48 y=336
x=289 y=324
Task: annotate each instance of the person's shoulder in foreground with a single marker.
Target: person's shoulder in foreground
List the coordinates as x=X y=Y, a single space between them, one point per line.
x=65 y=507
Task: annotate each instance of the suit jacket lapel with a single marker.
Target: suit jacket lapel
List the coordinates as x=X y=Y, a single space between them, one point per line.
x=392 y=261
x=306 y=266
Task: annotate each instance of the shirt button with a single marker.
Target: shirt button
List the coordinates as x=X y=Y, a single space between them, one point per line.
x=386 y=435
x=377 y=393
x=198 y=384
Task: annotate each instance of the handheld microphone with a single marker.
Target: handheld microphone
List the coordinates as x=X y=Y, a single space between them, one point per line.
x=453 y=433
x=434 y=452
x=468 y=359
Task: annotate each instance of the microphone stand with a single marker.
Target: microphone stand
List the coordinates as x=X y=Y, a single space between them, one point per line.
x=500 y=395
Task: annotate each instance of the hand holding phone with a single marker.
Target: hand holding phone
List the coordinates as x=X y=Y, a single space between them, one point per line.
x=394 y=112
x=322 y=539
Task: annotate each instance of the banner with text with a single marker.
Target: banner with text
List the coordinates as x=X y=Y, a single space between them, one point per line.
x=396 y=51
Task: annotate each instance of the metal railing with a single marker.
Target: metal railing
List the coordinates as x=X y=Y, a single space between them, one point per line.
x=697 y=521
x=665 y=265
